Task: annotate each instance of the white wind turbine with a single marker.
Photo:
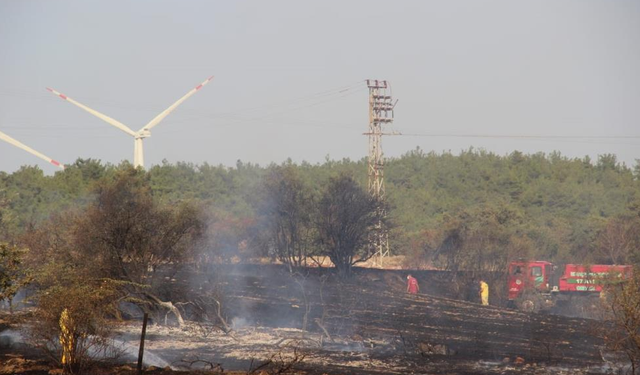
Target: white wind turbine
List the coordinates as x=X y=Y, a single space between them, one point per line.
x=145 y=131
x=28 y=149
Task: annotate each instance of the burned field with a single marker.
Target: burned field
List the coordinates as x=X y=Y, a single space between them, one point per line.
x=318 y=323
x=314 y=322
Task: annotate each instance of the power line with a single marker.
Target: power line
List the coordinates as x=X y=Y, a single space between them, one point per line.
x=512 y=136
x=315 y=96
x=337 y=95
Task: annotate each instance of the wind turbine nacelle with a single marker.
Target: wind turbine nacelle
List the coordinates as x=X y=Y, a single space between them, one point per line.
x=144 y=133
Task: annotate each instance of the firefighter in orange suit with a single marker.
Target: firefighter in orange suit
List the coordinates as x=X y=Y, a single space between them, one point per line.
x=412 y=285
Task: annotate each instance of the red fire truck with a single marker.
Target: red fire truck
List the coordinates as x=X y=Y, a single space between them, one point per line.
x=537 y=285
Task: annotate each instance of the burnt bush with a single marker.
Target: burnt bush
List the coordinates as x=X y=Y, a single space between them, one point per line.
x=125 y=235
x=346 y=219
x=620 y=328
x=13 y=274
x=71 y=320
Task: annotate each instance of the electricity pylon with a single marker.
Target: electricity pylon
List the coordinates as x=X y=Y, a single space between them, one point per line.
x=380 y=113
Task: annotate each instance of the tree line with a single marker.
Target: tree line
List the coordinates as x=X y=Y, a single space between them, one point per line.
x=544 y=206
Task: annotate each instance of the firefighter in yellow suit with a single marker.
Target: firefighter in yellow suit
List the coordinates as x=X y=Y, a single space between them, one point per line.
x=66 y=338
x=484 y=293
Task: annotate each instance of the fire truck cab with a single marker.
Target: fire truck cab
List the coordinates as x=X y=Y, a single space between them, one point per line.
x=524 y=276
x=537 y=285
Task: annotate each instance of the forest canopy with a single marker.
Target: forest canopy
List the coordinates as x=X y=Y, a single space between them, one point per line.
x=544 y=206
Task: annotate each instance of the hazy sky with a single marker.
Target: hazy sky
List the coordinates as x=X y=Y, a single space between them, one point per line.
x=289 y=77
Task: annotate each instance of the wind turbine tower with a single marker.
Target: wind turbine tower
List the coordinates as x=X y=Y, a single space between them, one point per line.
x=145 y=131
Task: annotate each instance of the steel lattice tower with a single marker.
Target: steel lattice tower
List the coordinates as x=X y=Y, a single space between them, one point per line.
x=380 y=113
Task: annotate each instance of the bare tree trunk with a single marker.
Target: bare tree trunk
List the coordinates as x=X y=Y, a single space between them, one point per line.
x=307 y=305
x=169 y=306
x=226 y=327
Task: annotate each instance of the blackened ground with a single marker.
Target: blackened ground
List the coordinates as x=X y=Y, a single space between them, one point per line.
x=373 y=306
x=375 y=327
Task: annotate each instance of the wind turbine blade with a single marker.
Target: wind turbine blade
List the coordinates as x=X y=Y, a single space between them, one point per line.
x=28 y=149
x=166 y=112
x=105 y=118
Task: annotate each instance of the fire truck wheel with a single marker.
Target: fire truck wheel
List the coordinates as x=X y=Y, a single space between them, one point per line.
x=529 y=302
